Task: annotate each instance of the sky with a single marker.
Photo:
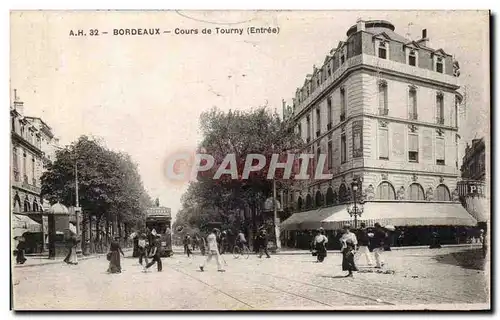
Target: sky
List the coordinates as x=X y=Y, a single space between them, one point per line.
x=143 y=94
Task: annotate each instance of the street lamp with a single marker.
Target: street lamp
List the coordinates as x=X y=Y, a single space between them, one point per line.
x=355 y=209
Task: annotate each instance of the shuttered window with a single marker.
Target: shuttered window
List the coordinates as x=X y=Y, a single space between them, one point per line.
x=440 y=151
x=383 y=143
x=413 y=147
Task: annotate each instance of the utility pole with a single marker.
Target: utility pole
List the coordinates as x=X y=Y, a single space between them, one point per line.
x=77 y=207
x=276 y=219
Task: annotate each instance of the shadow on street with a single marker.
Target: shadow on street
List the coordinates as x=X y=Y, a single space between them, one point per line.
x=468 y=259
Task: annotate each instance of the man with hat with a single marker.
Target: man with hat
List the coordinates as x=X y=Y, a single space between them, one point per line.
x=213 y=250
x=363 y=243
x=377 y=243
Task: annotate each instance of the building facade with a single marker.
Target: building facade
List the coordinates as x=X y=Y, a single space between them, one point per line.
x=474 y=161
x=385 y=111
x=32 y=143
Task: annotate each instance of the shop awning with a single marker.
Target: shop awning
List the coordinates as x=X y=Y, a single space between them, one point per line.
x=401 y=214
x=386 y=213
x=478 y=207
x=22 y=223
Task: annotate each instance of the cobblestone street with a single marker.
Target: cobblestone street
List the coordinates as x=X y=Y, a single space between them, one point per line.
x=282 y=282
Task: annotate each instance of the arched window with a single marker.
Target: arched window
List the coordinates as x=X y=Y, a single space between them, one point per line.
x=385 y=191
x=319 y=199
x=17 y=203
x=299 y=203
x=343 y=194
x=329 y=196
x=27 y=206
x=335 y=198
x=442 y=193
x=416 y=192
x=308 y=202
x=35 y=206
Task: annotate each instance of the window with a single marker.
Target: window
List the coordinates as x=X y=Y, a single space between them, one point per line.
x=13 y=120
x=383 y=143
x=15 y=160
x=343 y=103
x=343 y=148
x=412 y=58
x=440 y=151
x=439 y=65
x=318 y=122
x=413 y=147
x=308 y=119
x=318 y=154
x=412 y=101
x=385 y=191
x=382 y=50
x=415 y=192
x=24 y=163
x=442 y=193
x=457 y=103
x=22 y=130
x=382 y=99
x=33 y=170
x=299 y=130
x=329 y=71
x=357 y=139
x=329 y=111
x=330 y=154
x=342 y=58
x=439 y=108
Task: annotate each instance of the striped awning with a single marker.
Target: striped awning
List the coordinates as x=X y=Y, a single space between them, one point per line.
x=478 y=207
x=386 y=213
x=22 y=223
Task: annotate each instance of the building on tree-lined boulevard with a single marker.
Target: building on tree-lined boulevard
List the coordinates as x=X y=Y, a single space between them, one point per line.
x=386 y=111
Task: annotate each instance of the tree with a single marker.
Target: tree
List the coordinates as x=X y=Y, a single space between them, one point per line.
x=109 y=183
x=240 y=133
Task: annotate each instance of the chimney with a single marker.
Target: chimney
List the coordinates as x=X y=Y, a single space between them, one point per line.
x=360 y=25
x=18 y=105
x=284 y=108
x=424 y=39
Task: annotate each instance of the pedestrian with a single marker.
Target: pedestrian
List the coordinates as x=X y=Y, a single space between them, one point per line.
x=142 y=246
x=71 y=257
x=363 y=244
x=223 y=242
x=155 y=254
x=187 y=245
x=241 y=241
x=435 y=242
x=262 y=242
x=320 y=242
x=213 y=250
x=349 y=243
x=378 y=243
x=195 y=242
x=114 y=256
x=20 y=250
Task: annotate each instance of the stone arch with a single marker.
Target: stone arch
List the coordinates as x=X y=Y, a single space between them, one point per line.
x=308 y=201
x=385 y=191
x=27 y=205
x=329 y=196
x=416 y=192
x=318 y=199
x=343 y=193
x=442 y=193
x=299 y=203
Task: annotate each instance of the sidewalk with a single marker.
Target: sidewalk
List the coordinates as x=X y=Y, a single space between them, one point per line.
x=37 y=260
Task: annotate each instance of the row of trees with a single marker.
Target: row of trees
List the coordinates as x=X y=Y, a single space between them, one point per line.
x=258 y=131
x=110 y=187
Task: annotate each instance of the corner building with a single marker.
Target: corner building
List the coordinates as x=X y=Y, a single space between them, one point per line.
x=385 y=111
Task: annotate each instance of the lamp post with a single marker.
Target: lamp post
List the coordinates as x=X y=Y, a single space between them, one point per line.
x=355 y=210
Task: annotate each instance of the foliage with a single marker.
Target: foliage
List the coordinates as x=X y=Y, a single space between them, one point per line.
x=109 y=183
x=240 y=133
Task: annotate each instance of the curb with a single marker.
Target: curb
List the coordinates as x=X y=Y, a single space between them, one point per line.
x=80 y=258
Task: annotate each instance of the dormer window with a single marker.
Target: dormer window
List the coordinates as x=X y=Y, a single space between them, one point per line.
x=382 y=47
x=412 y=57
x=342 y=59
x=343 y=55
x=329 y=72
x=439 y=63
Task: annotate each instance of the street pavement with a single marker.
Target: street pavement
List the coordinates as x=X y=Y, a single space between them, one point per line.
x=410 y=279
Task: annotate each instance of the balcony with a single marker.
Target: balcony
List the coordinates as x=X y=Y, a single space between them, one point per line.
x=413 y=116
x=25 y=185
x=440 y=120
x=383 y=112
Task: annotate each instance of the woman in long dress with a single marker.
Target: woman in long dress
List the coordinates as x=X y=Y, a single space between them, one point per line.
x=349 y=243
x=114 y=262
x=320 y=245
x=72 y=257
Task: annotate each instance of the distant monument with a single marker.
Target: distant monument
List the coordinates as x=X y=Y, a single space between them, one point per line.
x=157 y=202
